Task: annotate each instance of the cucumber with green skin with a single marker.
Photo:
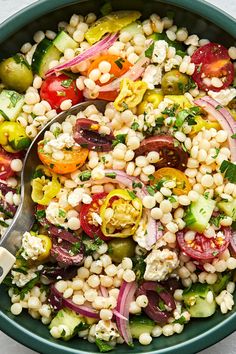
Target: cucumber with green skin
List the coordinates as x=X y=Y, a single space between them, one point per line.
x=69 y=319
x=43 y=55
x=199 y=213
x=140 y=324
x=63 y=41
x=195 y=300
x=229 y=208
x=11 y=103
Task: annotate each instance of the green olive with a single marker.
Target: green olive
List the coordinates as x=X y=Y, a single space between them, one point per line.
x=16 y=73
x=13 y=137
x=118 y=248
x=174 y=83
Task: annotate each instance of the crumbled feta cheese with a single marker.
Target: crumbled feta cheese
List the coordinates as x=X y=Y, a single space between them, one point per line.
x=32 y=246
x=76 y=196
x=159 y=52
x=223 y=96
x=140 y=235
x=152 y=76
x=20 y=279
x=56 y=215
x=106 y=330
x=96 y=218
x=173 y=62
x=86 y=199
x=160 y=263
x=64 y=140
x=225 y=300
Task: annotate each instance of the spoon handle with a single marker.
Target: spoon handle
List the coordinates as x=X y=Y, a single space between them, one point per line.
x=7 y=261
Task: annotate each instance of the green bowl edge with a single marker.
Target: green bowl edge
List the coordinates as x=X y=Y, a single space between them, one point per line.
x=35 y=342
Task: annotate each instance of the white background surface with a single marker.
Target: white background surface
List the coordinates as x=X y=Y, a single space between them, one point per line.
x=8 y=345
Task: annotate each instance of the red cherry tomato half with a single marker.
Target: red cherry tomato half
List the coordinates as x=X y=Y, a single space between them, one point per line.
x=212 y=60
x=5 y=164
x=203 y=248
x=56 y=89
x=86 y=219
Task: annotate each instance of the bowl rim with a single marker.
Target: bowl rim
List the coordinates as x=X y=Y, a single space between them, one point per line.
x=34 y=341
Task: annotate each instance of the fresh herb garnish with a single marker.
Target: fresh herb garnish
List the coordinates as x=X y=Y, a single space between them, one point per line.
x=110 y=175
x=119 y=62
x=161 y=305
x=233 y=136
x=91 y=245
x=149 y=51
x=182 y=320
x=75 y=249
x=150 y=190
x=84 y=176
x=137 y=185
x=217 y=153
x=215 y=220
x=187 y=115
x=120 y=138
x=66 y=83
x=135 y=126
x=131 y=194
x=103 y=346
x=218 y=107
x=40 y=214
x=170 y=111
x=139 y=267
x=229 y=169
x=61 y=213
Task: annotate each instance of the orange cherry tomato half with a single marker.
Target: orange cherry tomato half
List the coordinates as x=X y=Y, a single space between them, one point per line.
x=119 y=66
x=172 y=174
x=73 y=160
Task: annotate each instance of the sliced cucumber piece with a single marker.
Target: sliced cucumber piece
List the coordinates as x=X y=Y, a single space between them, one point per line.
x=229 y=208
x=199 y=213
x=195 y=300
x=133 y=28
x=140 y=324
x=64 y=41
x=43 y=55
x=70 y=320
x=11 y=103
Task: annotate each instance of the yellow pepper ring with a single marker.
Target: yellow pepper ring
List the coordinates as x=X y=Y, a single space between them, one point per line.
x=47 y=245
x=120 y=216
x=43 y=189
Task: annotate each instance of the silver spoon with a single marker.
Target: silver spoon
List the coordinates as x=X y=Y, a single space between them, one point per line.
x=24 y=217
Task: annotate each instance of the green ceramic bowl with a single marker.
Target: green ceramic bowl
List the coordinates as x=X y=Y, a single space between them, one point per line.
x=201 y=18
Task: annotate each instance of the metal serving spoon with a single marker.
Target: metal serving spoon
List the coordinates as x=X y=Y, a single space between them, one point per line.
x=24 y=217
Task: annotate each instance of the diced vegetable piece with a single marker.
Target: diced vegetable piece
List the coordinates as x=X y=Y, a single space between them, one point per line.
x=110 y=24
x=221 y=283
x=133 y=29
x=140 y=324
x=13 y=137
x=43 y=55
x=162 y=36
x=195 y=300
x=64 y=41
x=69 y=319
x=199 y=214
x=229 y=208
x=11 y=103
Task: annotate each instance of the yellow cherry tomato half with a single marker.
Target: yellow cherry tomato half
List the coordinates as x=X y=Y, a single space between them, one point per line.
x=172 y=174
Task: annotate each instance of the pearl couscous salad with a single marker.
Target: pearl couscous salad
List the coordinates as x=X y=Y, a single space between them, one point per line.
x=135 y=206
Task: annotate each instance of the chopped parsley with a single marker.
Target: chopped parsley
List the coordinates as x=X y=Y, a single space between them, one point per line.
x=66 y=83
x=229 y=169
x=218 y=107
x=103 y=346
x=217 y=153
x=150 y=190
x=110 y=175
x=233 y=136
x=131 y=194
x=187 y=115
x=161 y=305
x=170 y=111
x=215 y=220
x=135 y=126
x=149 y=51
x=119 y=62
x=91 y=245
x=139 y=267
x=182 y=320
x=120 y=138
x=75 y=249
x=25 y=289
x=40 y=214
x=137 y=185
x=85 y=176
x=62 y=213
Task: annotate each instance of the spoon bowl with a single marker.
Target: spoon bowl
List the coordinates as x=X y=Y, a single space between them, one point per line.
x=24 y=217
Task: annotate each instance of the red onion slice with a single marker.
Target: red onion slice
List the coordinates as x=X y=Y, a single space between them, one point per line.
x=84 y=310
x=96 y=49
x=126 y=294
x=133 y=74
x=223 y=117
x=233 y=243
